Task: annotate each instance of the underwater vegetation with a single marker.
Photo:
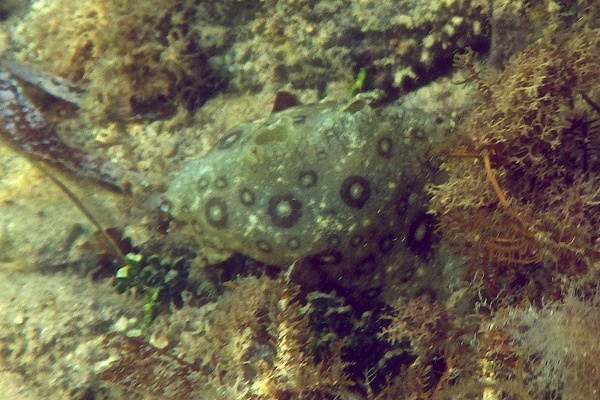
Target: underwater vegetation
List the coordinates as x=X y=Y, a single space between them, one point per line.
x=523 y=187
x=129 y=69
x=258 y=350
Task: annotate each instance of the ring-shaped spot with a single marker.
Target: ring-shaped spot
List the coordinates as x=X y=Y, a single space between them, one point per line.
x=356 y=241
x=284 y=210
x=385 y=146
x=327 y=258
x=220 y=182
x=355 y=191
x=264 y=246
x=203 y=182
x=247 y=197
x=386 y=243
x=367 y=265
x=321 y=155
x=418 y=133
x=420 y=236
x=307 y=178
x=215 y=212
x=334 y=240
x=293 y=243
x=408 y=272
x=372 y=294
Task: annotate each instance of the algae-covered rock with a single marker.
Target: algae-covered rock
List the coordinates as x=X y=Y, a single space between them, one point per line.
x=53 y=326
x=310 y=43
x=151 y=59
x=135 y=59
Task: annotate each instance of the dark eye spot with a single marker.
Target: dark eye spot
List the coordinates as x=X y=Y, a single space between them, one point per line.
x=220 y=183
x=326 y=258
x=420 y=237
x=386 y=243
x=216 y=213
x=293 y=243
x=264 y=246
x=334 y=240
x=203 y=182
x=321 y=155
x=385 y=145
x=285 y=210
x=247 y=197
x=367 y=265
x=418 y=133
x=356 y=241
x=307 y=179
x=355 y=191
x=408 y=273
x=229 y=140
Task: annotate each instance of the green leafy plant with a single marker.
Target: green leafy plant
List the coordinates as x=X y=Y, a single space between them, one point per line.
x=161 y=282
x=358 y=84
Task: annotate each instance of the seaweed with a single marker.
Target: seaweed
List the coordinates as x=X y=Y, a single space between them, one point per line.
x=142 y=368
x=523 y=173
x=136 y=61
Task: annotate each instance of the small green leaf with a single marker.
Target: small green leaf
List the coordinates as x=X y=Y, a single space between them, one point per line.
x=123 y=273
x=133 y=259
x=359 y=82
x=571 y=12
x=133 y=333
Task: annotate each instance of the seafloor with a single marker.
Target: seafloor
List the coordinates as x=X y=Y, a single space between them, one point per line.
x=105 y=295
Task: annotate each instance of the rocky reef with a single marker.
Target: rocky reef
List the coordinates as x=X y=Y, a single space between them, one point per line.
x=102 y=296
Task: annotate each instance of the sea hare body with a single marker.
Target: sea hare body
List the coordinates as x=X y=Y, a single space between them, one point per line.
x=336 y=186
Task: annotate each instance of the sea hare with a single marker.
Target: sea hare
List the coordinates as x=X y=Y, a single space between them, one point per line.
x=338 y=187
